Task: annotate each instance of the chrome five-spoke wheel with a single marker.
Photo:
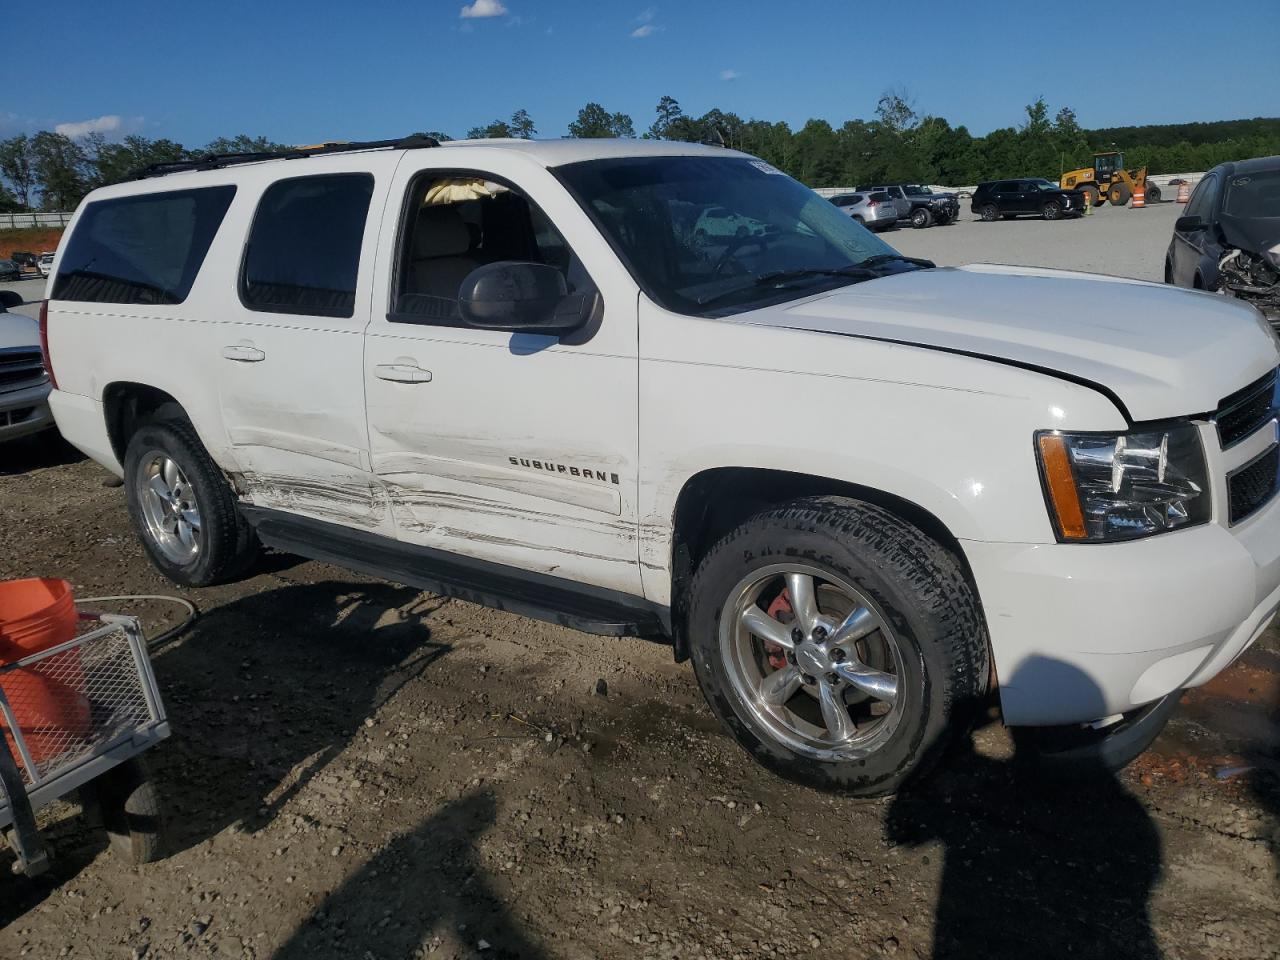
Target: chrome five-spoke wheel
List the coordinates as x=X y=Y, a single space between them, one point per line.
x=813 y=661
x=169 y=508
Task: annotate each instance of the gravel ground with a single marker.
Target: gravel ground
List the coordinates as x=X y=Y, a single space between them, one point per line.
x=362 y=771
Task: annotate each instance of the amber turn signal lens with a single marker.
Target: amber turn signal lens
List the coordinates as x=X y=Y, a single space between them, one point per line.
x=1062 y=487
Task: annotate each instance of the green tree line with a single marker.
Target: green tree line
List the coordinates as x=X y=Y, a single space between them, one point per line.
x=51 y=171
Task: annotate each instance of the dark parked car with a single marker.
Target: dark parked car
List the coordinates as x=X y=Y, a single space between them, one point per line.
x=1228 y=238
x=9 y=270
x=1013 y=198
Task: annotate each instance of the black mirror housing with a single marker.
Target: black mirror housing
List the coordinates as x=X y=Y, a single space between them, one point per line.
x=524 y=297
x=10 y=298
x=1189 y=224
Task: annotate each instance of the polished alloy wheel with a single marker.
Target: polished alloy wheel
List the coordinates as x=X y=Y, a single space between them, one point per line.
x=169 y=508
x=813 y=662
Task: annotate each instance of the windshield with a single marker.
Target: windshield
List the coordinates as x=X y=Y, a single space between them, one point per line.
x=918 y=191
x=710 y=236
x=1044 y=184
x=1254 y=195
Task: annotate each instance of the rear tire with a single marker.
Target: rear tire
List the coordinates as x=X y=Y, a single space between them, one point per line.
x=925 y=638
x=1153 y=193
x=195 y=535
x=1092 y=197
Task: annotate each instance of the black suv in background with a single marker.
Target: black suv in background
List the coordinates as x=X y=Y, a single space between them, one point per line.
x=1013 y=198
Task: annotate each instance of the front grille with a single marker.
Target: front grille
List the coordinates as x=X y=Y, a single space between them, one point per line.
x=1245 y=410
x=10 y=418
x=20 y=368
x=1253 y=484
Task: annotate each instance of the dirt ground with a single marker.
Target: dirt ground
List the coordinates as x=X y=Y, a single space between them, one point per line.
x=362 y=771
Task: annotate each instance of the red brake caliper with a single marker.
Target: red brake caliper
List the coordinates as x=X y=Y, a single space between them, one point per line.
x=781 y=604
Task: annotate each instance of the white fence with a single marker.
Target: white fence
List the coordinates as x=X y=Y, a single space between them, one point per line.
x=14 y=221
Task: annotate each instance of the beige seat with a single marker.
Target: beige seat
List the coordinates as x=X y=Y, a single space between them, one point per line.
x=441 y=253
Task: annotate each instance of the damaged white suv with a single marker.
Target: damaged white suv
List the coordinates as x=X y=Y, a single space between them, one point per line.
x=855 y=489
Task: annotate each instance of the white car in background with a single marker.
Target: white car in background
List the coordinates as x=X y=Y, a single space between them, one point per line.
x=24 y=385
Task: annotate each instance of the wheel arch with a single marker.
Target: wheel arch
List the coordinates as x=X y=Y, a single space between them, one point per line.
x=714 y=501
x=127 y=404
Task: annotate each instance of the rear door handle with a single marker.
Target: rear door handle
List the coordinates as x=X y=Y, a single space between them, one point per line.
x=403 y=370
x=244 y=352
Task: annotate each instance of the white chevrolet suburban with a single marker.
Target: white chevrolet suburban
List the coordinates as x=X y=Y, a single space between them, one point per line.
x=858 y=491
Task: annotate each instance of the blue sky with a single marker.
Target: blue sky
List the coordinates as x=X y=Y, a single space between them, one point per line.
x=301 y=71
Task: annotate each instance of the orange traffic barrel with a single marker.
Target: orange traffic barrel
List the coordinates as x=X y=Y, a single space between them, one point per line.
x=1139 y=198
x=1184 y=192
x=47 y=698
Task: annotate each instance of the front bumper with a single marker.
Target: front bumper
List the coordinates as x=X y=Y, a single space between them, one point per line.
x=24 y=412
x=1085 y=631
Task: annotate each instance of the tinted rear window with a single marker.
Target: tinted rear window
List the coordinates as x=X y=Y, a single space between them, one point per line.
x=304 y=249
x=145 y=249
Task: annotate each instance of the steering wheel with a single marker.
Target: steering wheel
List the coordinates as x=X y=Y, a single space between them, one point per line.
x=731 y=249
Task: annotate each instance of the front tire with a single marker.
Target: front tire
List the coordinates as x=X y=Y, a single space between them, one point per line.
x=840 y=645
x=1052 y=210
x=182 y=508
x=921 y=218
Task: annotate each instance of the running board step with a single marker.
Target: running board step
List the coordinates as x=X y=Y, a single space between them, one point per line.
x=542 y=597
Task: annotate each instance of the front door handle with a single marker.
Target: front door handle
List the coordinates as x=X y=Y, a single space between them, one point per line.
x=244 y=352
x=402 y=370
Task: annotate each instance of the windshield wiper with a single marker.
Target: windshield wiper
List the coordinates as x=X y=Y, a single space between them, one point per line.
x=880 y=258
x=778 y=278
x=785 y=276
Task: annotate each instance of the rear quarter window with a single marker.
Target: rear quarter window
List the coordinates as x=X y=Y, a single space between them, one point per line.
x=145 y=249
x=303 y=254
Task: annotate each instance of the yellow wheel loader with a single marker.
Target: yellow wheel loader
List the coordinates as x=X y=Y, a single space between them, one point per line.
x=1107 y=179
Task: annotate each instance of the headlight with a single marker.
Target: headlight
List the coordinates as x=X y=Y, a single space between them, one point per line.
x=1119 y=486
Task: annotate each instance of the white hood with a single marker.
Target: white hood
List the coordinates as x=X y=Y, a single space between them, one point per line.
x=18 y=331
x=1164 y=352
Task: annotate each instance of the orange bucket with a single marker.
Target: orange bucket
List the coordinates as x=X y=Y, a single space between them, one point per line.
x=35 y=615
x=48 y=698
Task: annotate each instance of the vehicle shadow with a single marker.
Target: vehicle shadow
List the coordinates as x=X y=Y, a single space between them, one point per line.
x=1033 y=865
x=427 y=880
x=263 y=692
x=46 y=449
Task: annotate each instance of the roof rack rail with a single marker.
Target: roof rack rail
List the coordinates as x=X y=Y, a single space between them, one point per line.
x=214 y=161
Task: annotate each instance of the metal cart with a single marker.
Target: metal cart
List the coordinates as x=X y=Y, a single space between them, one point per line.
x=77 y=717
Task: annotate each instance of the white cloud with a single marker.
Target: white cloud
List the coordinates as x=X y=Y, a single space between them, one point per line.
x=483 y=8
x=729 y=74
x=109 y=124
x=646 y=28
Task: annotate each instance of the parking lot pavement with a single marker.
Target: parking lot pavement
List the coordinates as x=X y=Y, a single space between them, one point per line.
x=31 y=290
x=1112 y=240
x=362 y=770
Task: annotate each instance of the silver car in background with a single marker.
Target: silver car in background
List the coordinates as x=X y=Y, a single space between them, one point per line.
x=875 y=211
x=24 y=385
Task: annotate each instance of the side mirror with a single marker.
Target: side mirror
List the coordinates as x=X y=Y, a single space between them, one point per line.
x=1189 y=224
x=10 y=298
x=525 y=297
